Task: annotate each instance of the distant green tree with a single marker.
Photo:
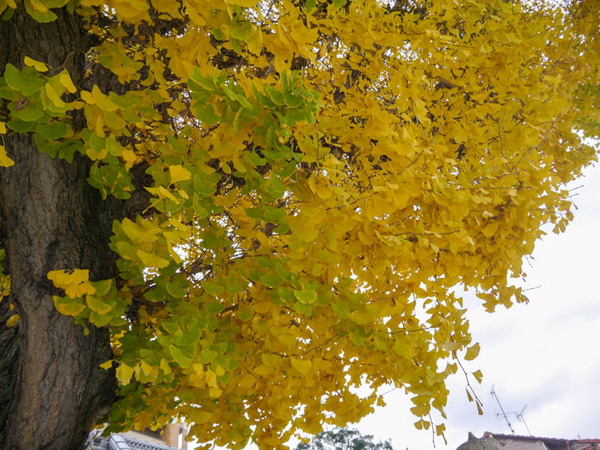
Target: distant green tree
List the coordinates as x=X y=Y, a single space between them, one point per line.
x=344 y=439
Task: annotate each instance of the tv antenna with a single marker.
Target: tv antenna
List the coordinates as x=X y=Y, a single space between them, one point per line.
x=522 y=419
x=493 y=394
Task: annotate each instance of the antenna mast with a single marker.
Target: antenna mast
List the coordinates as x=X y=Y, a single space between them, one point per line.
x=493 y=393
x=522 y=419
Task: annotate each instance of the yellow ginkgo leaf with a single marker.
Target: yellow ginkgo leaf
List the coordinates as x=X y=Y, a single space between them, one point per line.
x=472 y=352
x=12 y=320
x=107 y=365
x=152 y=259
x=179 y=173
x=103 y=102
x=68 y=306
x=5 y=161
x=98 y=305
x=203 y=417
x=301 y=365
x=37 y=65
x=66 y=81
x=243 y=3
x=124 y=373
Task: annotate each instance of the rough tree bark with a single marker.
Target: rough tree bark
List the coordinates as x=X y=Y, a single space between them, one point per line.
x=50 y=218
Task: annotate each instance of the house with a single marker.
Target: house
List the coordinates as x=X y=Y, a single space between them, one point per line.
x=496 y=441
x=171 y=437
x=512 y=442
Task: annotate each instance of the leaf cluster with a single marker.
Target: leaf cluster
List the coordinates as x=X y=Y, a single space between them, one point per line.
x=319 y=181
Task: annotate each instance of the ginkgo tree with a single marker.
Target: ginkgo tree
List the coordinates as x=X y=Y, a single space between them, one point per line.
x=238 y=212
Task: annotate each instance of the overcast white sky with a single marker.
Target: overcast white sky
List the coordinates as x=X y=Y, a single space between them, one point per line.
x=545 y=354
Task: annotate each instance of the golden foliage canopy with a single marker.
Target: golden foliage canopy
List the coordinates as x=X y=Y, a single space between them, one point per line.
x=321 y=177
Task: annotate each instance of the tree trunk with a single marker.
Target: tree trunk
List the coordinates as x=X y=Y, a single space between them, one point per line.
x=50 y=218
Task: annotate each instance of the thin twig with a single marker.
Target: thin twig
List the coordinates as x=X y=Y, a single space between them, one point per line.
x=539 y=145
x=432 y=430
